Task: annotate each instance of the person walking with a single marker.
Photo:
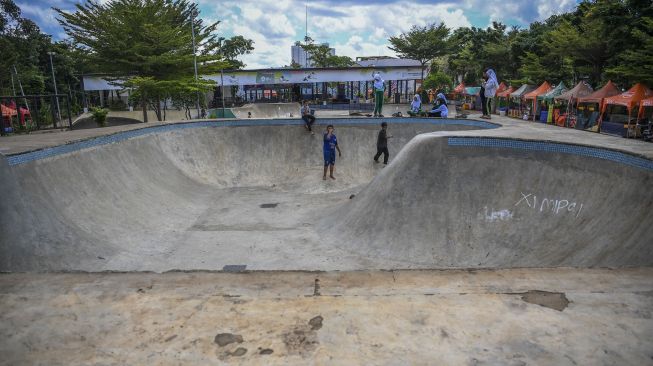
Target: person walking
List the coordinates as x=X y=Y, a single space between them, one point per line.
x=382 y=144
x=379 y=88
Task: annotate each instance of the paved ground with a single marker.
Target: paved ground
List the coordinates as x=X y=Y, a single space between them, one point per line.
x=588 y=317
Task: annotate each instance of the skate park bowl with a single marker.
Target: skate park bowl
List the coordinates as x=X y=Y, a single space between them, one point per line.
x=211 y=195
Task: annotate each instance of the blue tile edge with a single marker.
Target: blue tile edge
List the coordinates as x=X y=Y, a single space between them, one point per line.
x=611 y=155
x=22 y=158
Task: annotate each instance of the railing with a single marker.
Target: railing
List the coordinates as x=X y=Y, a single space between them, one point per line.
x=35 y=112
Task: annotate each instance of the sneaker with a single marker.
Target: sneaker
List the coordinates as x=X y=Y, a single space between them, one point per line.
x=380 y=116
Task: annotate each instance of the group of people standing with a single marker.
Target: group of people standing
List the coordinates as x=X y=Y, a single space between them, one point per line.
x=489 y=87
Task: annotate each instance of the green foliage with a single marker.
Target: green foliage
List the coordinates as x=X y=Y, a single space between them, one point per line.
x=437 y=80
x=147 y=44
x=100 y=116
x=320 y=55
x=422 y=43
x=230 y=49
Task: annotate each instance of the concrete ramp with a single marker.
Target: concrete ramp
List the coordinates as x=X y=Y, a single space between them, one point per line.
x=208 y=195
x=493 y=202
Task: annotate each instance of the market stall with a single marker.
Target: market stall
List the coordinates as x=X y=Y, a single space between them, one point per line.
x=503 y=99
x=570 y=98
x=546 y=101
x=589 y=107
x=517 y=108
x=614 y=120
x=532 y=97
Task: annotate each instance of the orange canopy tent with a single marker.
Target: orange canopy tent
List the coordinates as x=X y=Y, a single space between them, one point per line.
x=7 y=111
x=506 y=93
x=459 y=89
x=630 y=98
x=542 y=89
x=643 y=104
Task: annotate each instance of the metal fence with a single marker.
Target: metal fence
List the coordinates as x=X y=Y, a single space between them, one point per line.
x=35 y=112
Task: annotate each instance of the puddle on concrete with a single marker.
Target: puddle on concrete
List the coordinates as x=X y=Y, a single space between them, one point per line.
x=552 y=300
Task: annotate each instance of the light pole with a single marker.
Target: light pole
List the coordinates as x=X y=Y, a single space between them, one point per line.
x=54 y=82
x=193 y=14
x=222 y=91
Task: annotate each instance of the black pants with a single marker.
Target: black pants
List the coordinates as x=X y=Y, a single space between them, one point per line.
x=484 y=103
x=382 y=150
x=309 y=120
x=435 y=114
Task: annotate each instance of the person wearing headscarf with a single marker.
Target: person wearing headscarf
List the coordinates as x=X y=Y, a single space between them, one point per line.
x=490 y=89
x=439 y=110
x=415 y=106
x=441 y=96
x=379 y=88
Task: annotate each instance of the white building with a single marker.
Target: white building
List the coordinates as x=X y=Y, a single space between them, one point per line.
x=301 y=57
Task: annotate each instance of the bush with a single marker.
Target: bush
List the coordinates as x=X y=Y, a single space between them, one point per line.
x=100 y=116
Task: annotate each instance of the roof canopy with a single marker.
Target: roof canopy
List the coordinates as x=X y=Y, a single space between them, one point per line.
x=459 y=89
x=502 y=87
x=630 y=98
x=526 y=88
x=7 y=111
x=608 y=90
x=645 y=103
x=548 y=96
x=472 y=90
x=582 y=89
x=542 y=89
x=506 y=93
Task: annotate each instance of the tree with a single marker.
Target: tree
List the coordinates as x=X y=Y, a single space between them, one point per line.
x=422 y=43
x=145 y=44
x=320 y=55
x=437 y=80
x=230 y=49
x=636 y=64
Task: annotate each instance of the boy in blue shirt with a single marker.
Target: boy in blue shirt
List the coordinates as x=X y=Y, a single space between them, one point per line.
x=329 y=149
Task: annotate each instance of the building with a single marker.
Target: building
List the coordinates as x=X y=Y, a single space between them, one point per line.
x=385 y=61
x=300 y=57
x=347 y=84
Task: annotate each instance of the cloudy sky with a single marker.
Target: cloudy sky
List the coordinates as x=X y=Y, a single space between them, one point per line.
x=354 y=28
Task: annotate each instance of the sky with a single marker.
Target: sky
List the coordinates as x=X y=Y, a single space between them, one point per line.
x=353 y=28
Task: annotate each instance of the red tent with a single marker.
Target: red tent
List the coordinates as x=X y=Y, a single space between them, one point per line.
x=506 y=93
x=501 y=88
x=608 y=90
x=630 y=98
x=542 y=89
x=459 y=89
x=8 y=111
x=644 y=103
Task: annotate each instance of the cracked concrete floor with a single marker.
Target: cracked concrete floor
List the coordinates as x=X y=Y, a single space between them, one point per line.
x=446 y=317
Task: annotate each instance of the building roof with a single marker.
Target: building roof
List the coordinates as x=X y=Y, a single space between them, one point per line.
x=386 y=62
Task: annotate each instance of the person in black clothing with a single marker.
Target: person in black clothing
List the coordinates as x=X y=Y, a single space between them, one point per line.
x=382 y=144
x=482 y=95
x=308 y=118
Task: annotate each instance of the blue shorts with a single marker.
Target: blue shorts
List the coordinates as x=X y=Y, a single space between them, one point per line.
x=329 y=157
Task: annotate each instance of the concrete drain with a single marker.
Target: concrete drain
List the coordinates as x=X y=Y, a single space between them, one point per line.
x=269 y=205
x=552 y=300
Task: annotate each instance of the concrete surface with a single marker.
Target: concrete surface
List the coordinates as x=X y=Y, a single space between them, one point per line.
x=206 y=198
x=193 y=199
x=354 y=318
